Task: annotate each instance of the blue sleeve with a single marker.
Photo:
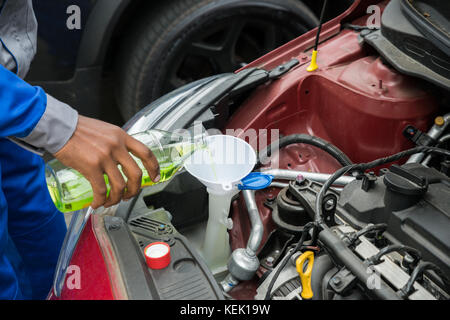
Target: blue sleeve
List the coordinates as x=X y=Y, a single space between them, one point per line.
x=21 y=105
x=30 y=117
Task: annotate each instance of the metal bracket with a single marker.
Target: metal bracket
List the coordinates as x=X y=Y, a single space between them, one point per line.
x=343 y=281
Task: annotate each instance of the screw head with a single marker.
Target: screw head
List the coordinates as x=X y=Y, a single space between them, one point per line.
x=329 y=204
x=300 y=179
x=270 y=261
x=337 y=280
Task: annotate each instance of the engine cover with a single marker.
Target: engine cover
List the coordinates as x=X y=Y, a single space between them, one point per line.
x=414 y=201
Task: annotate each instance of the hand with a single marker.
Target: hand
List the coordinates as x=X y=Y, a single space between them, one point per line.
x=97 y=148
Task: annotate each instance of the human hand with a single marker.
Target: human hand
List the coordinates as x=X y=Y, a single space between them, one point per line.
x=97 y=148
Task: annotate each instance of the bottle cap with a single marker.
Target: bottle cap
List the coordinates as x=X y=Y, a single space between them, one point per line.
x=255 y=181
x=157 y=255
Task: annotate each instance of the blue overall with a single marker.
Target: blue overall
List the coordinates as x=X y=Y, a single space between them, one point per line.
x=31 y=229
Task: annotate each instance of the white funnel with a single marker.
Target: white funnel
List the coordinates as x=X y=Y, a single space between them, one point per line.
x=223 y=163
x=220 y=167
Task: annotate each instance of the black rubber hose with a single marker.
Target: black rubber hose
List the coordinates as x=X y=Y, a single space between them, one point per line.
x=324 y=145
x=381 y=227
x=376 y=259
x=417 y=273
x=322 y=265
x=319 y=29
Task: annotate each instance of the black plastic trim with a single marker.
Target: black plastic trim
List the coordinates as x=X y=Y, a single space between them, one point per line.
x=433 y=33
x=138 y=283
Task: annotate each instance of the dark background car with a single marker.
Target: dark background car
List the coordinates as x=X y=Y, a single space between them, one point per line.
x=127 y=53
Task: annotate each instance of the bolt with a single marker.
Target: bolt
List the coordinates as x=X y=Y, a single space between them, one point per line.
x=329 y=204
x=114 y=226
x=270 y=261
x=300 y=179
x=408 y=260
x=115 y=223
x=337 y=280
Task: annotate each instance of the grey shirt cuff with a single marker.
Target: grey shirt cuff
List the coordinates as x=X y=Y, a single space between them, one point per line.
x=55 y=128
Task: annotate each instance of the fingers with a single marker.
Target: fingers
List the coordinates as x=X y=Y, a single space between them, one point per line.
x=119 y=189
x=148 y=158
x=99 y=189
x=116 y=182
x=133 y=174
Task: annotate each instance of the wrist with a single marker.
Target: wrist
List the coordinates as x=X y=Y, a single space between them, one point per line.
x=55 y=128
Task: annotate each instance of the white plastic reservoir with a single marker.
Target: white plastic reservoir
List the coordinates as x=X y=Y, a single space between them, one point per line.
x=220 y=167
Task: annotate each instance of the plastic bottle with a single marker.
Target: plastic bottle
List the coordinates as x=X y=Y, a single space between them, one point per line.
x=70 y=191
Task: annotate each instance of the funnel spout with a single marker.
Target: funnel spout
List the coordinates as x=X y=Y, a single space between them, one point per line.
x=216 y=246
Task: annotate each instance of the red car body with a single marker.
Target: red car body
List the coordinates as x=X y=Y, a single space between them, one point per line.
x=354 y=101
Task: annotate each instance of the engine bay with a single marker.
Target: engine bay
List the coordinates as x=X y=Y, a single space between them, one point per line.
x=378 y=233
x=359 y=202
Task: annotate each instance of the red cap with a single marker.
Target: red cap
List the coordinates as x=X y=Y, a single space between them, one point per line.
x=157 y=255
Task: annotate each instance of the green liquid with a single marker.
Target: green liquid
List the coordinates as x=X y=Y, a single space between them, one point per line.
x=213 y=165
x=71 y=191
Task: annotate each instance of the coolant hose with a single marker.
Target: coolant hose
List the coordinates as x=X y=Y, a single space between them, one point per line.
x=244 y=263
x=324 y=145
x=256 y=234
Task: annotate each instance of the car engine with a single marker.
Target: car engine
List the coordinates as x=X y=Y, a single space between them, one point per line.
x=382 y=236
